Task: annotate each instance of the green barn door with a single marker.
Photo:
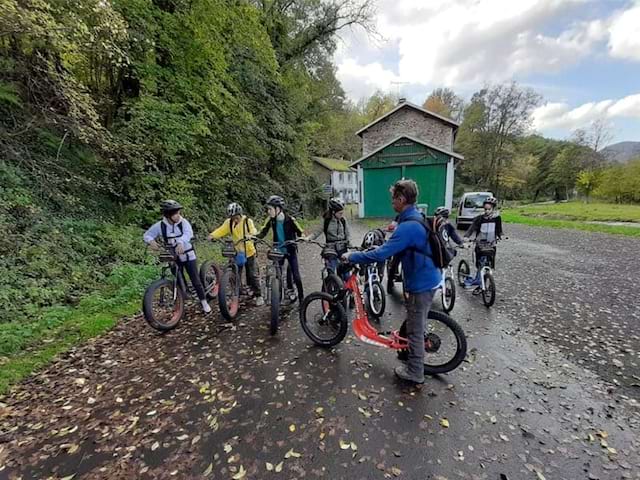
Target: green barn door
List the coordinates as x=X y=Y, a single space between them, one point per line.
x=376 y=191
x=432 y=182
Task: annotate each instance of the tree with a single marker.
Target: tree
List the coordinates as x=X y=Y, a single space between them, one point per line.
x=445 y=102
x=596 y=136
x=494 y=119
x=587 y=182
x=377 y=105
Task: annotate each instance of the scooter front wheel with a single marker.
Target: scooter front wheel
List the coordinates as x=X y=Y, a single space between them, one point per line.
x=323 y=319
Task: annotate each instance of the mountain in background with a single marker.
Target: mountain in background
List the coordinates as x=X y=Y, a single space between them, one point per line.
x=622 y=152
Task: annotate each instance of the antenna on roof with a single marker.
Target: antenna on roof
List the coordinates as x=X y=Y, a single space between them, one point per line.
x=398 y=91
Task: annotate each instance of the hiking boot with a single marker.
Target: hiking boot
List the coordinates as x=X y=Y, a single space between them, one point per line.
x=403 y=373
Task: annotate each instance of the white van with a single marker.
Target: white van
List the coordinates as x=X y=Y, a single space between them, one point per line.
x=470 y=206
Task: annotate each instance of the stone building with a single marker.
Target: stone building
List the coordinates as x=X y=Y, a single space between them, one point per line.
x=407 y=142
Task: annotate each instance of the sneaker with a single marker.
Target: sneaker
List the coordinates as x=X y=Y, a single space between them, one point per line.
x=205 y=306
x=259 y=301
x=403 y=373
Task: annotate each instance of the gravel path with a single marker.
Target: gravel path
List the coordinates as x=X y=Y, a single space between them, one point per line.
x=547 y=390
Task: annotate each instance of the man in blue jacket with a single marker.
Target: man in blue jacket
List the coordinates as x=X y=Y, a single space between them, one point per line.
x=421 y=277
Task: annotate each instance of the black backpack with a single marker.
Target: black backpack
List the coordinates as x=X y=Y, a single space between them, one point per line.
x=327 y=221
x=438 y=239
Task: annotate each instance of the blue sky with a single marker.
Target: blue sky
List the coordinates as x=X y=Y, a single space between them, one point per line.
x=582 y=56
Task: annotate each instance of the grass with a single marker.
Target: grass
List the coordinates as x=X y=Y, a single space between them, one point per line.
x=579 y=211
x=511 y=217
x=26 y=347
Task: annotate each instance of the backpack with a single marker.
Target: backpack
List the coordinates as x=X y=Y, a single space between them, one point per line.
x=327 y=221
x=163 y=228
x=165 y=238
x=438 y=239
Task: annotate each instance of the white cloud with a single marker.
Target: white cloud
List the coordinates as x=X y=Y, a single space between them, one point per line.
x=562 y=116
x=624 y=39
x=465 y=43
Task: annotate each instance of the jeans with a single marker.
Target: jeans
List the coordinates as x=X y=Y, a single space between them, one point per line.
x=192 y=269
x=252 y=269
x=293 y=272
x=413 y=328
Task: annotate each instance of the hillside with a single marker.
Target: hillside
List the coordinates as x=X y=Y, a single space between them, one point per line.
x=622 y=152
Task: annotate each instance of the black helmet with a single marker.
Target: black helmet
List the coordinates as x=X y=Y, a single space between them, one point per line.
x=491 y=201
x=442 y=212
x=169 y=206
x=336 y=204
x=234 y=209
x=275 y=201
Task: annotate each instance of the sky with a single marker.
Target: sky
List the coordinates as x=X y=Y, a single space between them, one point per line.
x=582 y=56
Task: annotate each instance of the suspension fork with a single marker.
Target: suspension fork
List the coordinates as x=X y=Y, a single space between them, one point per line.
x=483 y=270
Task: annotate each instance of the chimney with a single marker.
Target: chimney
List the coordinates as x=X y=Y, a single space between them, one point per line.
x=402 y=100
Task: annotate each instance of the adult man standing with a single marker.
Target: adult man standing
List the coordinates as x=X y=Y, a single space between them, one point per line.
x=410 y=242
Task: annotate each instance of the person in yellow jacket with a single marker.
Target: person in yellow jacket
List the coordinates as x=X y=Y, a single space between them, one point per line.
x=240 y=227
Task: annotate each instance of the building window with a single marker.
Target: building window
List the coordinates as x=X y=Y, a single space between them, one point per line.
x=341 y=177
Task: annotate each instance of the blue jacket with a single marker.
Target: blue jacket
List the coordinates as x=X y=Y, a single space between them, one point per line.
x=409 y=241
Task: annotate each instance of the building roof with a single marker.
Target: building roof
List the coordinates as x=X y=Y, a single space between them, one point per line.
x=332 y=164
x=413 y=139
x=406 y=104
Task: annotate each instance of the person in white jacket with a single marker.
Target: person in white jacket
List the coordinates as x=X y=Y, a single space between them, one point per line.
x=176 y=232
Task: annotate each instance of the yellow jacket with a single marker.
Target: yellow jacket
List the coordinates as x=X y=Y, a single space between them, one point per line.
x=240 y=230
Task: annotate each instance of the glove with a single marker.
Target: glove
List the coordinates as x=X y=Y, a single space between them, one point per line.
x=345 y=257
x=180 y=249
x=153 y=245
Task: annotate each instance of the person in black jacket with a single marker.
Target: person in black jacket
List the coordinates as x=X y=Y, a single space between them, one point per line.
x=487 y=228
x=443 y=212
x=284 y=227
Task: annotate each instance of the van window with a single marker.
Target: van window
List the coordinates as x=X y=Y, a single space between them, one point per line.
x=474 y=201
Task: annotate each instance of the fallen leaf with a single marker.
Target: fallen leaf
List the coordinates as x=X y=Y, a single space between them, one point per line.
x=208 y=470
x=68 y=477
x=155 y=446
x=292 y=453
x=344 y=445
x=444 y=422
x=279 y=467
x=354 y=447
x=504 y=437
x=241 y=473
x=396 y=471
x=73 y=448
x=269 y=467
x=292 y=428
x=227 y=448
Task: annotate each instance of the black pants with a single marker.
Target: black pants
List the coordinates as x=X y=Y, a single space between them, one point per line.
x=293 y=272
x=192 y=269
x=252 y=270
x=394 y=263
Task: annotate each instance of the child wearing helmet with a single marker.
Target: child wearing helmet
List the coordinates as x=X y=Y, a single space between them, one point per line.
x=241 y=228
x=284 y=228
x=335 y=229
x=443 y=212
x=176 y=232
x=487 y=228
